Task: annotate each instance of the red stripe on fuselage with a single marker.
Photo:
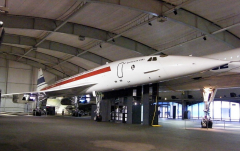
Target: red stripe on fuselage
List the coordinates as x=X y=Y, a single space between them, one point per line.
x=90 y=74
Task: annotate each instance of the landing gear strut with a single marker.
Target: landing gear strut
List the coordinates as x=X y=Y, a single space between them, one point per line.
x=98 y=96
x=208 y=95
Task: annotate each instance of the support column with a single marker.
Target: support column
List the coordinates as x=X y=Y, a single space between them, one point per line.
x=0 y=98
x=154 y=105
x=184 y=109
x=139 y=93
x=145 y=102
x=129 y=109
x=105 y=110
x=184 y=105
x=37 y=101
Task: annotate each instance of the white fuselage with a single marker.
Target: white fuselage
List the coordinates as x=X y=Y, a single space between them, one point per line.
x=233 y=56
x=136 y=71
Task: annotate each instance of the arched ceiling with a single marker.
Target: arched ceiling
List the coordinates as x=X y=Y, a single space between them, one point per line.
x=66 y=37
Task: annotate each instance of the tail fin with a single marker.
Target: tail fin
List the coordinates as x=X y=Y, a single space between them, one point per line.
x=41 y=81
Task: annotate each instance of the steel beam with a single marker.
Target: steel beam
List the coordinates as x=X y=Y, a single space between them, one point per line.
x=55 y=46
x=40 y=57
x=206 y=27
x=194 y=21
x=74 y=13
x=33 y=63
x=23 y=22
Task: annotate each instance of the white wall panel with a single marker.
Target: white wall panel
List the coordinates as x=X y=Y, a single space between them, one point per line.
x=8 y=106
x=3 y=71
x=15 y=88
x=19 y=76
x=18 y=79
x=34 y=87
x=3 y=87
x=13 y=64
x=3 y=62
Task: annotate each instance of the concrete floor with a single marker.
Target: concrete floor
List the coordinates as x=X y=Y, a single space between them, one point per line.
x=28 y=133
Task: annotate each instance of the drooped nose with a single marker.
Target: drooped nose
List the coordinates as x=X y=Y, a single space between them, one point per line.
x=175 y=66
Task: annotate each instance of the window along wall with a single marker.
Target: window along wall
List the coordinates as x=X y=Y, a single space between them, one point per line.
x=166 y=109
x=219 y=110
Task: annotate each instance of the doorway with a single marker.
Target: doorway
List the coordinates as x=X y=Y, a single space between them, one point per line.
x=120 y=70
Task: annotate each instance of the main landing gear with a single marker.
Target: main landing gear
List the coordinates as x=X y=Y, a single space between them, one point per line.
x=98 y=96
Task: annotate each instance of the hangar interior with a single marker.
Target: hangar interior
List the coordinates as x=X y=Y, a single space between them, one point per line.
x=67 y=37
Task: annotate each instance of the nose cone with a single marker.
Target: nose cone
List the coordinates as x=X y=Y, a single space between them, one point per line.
x=206 y=63
x=176 y=66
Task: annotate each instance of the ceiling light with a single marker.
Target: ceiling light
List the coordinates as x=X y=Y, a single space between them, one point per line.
x=161 y=19
x=175 y=12
x=81 y=38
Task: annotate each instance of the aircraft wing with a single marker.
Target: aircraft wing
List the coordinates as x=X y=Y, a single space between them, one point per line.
x=66 y=91
x=69 y=91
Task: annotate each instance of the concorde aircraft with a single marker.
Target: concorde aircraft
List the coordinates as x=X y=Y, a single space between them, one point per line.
x=131 y=72
x=122 y=74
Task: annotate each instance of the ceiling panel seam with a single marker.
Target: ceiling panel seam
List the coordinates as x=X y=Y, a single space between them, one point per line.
x=83 y=4
x=38 y=65
x=51 y=45
x=157 y=11
x=74 y=29
x=35 y=54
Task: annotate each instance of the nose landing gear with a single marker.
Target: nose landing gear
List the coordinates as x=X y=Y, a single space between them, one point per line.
x=208 y=96
x=206 y=123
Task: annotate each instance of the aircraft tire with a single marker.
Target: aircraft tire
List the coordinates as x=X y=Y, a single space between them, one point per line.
x=99 y=118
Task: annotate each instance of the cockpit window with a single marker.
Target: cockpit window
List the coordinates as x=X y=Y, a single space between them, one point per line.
x=224 y=66
x=150 y=59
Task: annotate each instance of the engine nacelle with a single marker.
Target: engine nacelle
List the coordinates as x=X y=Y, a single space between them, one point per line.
x=23 y=98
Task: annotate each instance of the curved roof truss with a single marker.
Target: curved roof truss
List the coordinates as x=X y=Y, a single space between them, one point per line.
x=33 y=63
x=55 y=46
x=23 y=22
x=51 y=61
x=156 y=8
x=194 y=21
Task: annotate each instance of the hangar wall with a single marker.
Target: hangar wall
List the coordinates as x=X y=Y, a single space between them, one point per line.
x=17 y=77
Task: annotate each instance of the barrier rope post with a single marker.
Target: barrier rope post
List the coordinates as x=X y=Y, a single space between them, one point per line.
x=185 y=123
